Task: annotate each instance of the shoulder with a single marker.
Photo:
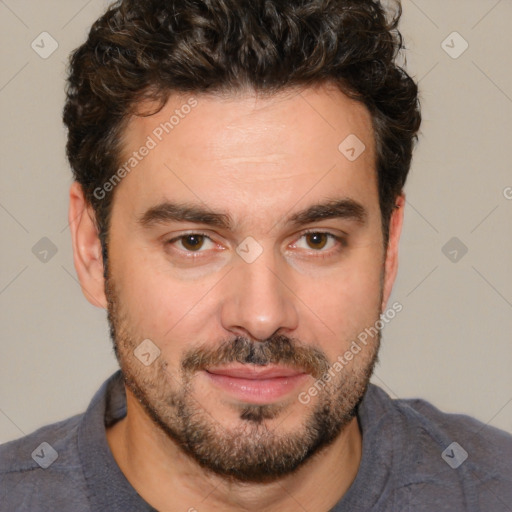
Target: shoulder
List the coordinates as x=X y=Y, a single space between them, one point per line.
x=40 y=466
x=17 y=455
x=487 y=447
x=437 y=453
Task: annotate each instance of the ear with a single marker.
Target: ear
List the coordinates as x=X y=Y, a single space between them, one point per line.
x=391 y=263
x=87 y=254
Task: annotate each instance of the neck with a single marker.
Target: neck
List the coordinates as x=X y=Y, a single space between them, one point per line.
x=169 y=479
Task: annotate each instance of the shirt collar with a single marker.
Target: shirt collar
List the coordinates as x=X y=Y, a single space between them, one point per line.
x=107 y=486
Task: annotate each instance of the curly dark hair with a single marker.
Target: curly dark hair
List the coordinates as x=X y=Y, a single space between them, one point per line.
x=146 y=50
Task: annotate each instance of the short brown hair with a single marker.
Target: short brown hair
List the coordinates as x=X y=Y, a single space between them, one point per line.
x=148 y=49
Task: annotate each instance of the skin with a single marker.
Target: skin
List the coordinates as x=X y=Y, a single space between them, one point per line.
x=259 y=160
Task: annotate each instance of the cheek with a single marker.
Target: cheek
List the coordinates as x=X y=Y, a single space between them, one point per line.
x=159 y=306
x=333 y=305
x=355 y=284
x=346 y=302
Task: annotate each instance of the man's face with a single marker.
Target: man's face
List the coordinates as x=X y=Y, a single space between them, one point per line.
x=281 y=272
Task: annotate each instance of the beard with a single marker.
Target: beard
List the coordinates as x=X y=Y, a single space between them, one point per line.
x=256 y=449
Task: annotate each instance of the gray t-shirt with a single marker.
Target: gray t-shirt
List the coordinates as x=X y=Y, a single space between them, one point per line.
x=410 y=462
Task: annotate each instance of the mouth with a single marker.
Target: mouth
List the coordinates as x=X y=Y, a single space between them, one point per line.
x=256 y=384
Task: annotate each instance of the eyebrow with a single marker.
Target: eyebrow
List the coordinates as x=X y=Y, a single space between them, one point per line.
x=165 y=212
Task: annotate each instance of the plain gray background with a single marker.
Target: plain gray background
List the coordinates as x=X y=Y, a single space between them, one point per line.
x=451 y=344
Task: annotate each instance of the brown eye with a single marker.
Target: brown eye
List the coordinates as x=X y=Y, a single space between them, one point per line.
x=192 y=242
x=317 y=240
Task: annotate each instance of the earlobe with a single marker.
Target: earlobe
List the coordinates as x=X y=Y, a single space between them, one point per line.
x=391 y=263
x=87 y=254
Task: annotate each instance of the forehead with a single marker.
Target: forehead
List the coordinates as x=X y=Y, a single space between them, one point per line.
x=250 y=150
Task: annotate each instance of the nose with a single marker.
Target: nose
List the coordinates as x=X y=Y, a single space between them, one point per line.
x=258 y=300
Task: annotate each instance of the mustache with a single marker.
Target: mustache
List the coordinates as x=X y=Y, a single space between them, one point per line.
x=278 y=349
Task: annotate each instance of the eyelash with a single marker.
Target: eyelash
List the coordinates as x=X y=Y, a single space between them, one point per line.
x=341 y=244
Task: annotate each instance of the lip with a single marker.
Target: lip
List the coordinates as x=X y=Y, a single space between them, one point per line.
x=256 y=384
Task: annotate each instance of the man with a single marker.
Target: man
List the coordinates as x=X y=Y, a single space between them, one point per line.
x=237 y=207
